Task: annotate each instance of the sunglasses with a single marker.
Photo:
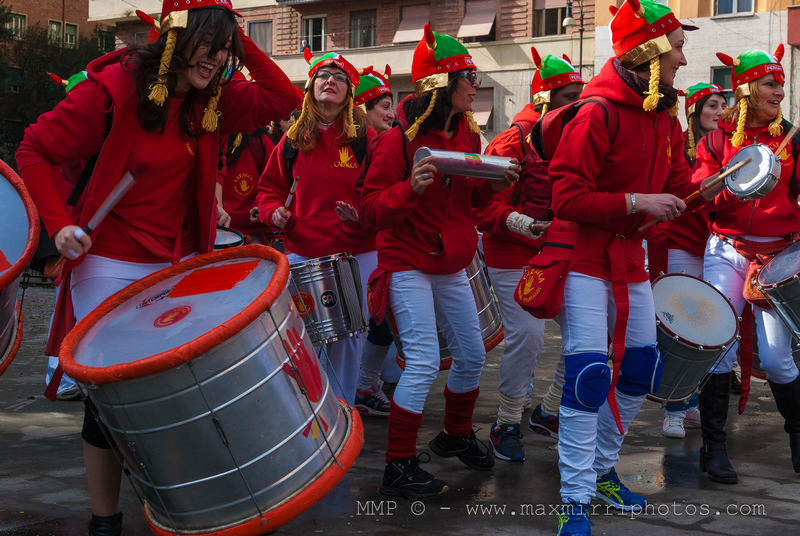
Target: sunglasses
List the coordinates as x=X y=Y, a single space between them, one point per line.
x=471 y=76
x=338 y=77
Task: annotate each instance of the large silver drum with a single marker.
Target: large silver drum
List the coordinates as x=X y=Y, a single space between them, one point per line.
x=488 y=315
x=695 y=326
x=779 y=281
x=756 y=178
x=328 y=295
x=212 y=393
x=19 y=235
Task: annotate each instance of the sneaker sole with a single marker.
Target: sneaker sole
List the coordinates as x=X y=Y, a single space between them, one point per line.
x=542 y=430
x=366 y=411
x=673 y=435
x=618 y=506
x=394 y=492
x=499 y=456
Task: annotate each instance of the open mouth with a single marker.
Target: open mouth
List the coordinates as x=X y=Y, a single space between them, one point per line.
x=205 y=69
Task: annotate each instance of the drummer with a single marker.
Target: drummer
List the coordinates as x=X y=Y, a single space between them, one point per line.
x=510 y=239
x=744 y=234
x=168 y=115
x=684 y=240
x=427 y=238
x=329 y=142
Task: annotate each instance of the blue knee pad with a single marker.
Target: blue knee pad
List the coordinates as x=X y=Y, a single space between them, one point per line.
x=587 y=379
x=379 y=334
x=640 y=372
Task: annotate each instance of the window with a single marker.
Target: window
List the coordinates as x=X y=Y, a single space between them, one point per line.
x=13 y=81
x=16 y=24
x=362 y=28
x=731 y=7
x=722 y=77
x=54 y=32
x=412 y=22
x=70 y=35
x=106 y=40
x=548 y=21
x=261 y=34
x=314 y=33
x=478 y=21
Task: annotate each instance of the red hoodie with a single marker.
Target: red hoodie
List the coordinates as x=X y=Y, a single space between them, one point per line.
x=592 y=170
x=502 y=248
x=775 y=214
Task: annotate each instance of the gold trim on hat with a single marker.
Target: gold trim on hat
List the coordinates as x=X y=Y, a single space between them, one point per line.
x=428 y=83
x=176 y=19
x=645 y=52
x=542 y=97
x=742 y=91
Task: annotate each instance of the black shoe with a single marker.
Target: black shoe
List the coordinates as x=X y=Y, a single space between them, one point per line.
x=736 y=384
x=106 y=525
x=404 y=477
x=469 y=449
x=713 y=404
x=787 y=398
x=716 y=464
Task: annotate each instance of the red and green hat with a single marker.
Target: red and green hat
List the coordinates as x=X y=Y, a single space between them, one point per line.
x=697 y=92
x=752 y=65
x=174 y=13
x=372 y=84
x=435 y=56
x=639 y=31
x=331 y=58
x=70 y=82
x=552 y=72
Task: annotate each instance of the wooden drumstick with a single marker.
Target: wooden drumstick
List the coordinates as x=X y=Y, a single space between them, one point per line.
x=713 y=180
x=291 y=195
x=786 y=140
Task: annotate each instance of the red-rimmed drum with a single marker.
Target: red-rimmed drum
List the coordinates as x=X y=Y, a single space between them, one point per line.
x=227 y=238
x=695 y=326
x=19 y=234
x=211 y=390
x=488 y=315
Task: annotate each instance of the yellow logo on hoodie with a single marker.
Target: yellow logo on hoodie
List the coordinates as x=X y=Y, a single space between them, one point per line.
x=346 y=158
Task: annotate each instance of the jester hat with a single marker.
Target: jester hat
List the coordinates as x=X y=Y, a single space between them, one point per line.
x=70 y=82
x=551 y=72
x=372 y=84
x=697 y=92
x=331 y=58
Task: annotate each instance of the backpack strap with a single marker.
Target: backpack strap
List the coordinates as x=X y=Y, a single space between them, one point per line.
x=715 y=145
x=521 y=139
x=795 y=149
x=538 y=135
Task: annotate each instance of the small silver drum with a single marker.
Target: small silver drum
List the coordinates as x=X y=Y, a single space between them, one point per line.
x=214 y=396
x=779 y=281
x=227 y=238
x=468 y=164
x=328 y=296
x=695 y=326
x=488 y=315
x=19 y=235
x=757 y=178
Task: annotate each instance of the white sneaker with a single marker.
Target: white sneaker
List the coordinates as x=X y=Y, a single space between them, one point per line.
x=673 y=426
x=692 y=419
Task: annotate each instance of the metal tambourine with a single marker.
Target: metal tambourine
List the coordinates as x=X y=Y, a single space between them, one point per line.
x=756 y=178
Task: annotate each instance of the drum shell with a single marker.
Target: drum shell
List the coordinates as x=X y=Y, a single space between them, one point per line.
x=467 y=164
x=685 y=369
x=766 y=178
x=332 y=287
x=206 y=445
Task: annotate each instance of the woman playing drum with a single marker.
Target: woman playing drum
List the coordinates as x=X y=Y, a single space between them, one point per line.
x=745 y=233
x=159 y=109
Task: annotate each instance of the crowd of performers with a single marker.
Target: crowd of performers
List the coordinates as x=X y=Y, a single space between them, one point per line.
x=331 y=170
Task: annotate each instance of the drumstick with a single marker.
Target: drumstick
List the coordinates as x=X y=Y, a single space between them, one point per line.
x=119 y=191
x=291 y=195
x=712 y=181
x=786 y=140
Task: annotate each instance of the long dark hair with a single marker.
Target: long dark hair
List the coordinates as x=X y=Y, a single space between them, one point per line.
x=416 y=106
x=218 y=24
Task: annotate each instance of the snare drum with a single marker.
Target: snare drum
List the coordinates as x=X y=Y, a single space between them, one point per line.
x=779 y=281
x=19 y=235
x=213 y=395
x=488 y=315
x=328 y=296
x=757 y=178
x=227 y=238
x=696 y=324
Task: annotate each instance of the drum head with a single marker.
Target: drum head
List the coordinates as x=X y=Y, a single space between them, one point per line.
x=752 y=176
x=785 y=265
x=694 y=311
x=227 y=238
x=19 y=226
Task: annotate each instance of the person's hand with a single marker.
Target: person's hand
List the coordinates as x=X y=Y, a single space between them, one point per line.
x=223 y=218
x=72 y=242
x=346 y=211
x=280 y=217
x=509 y=178
x=663 y=207
x=538 y=227
x=422 y=175
x=254 y=215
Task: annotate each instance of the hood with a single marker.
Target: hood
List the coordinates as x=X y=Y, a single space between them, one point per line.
x=527 y=114
x=611 y=84
x=109 y=73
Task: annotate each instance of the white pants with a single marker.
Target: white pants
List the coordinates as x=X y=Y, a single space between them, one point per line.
x=419 y=301
x=725 y=269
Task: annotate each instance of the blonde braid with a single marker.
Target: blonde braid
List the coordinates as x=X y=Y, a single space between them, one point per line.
x=691 y=150
x=211 y=114
x=349 y=126
x=776 y=127
x=412 y=131
x=653 y=95
x=295 y=127
x=473 y=125
x=158 y=89
x=675 y=109
x=738 y=137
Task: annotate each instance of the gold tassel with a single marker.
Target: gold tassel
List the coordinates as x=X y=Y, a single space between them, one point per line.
x=691 y=151
x=544 y=109
x=237 y=141
x=473 y=125
x=675 y=109
x=776 y=127
x=738 y=137
x=653 y=95
x=412 y=131
x=211 y=114
x=158 y=89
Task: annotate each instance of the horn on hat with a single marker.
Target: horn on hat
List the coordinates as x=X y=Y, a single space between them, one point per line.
x=779 y=52
x=727 y=60
x=537 y=59
x=387 y=72
x=58 y=80
x=307 y=55
x=430 y=39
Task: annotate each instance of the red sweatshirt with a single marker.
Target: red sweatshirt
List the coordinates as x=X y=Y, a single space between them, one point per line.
x=240 y=183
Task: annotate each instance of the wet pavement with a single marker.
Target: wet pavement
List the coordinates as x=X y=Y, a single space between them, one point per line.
x=43 y=489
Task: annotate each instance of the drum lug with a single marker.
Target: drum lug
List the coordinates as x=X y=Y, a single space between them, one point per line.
x=700 y=348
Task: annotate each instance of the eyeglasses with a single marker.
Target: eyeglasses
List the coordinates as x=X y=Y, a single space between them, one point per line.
x=471 y=76
x=338 y=77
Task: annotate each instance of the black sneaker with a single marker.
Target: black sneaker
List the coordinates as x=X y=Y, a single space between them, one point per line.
x=469 y=449
x=404 y=477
